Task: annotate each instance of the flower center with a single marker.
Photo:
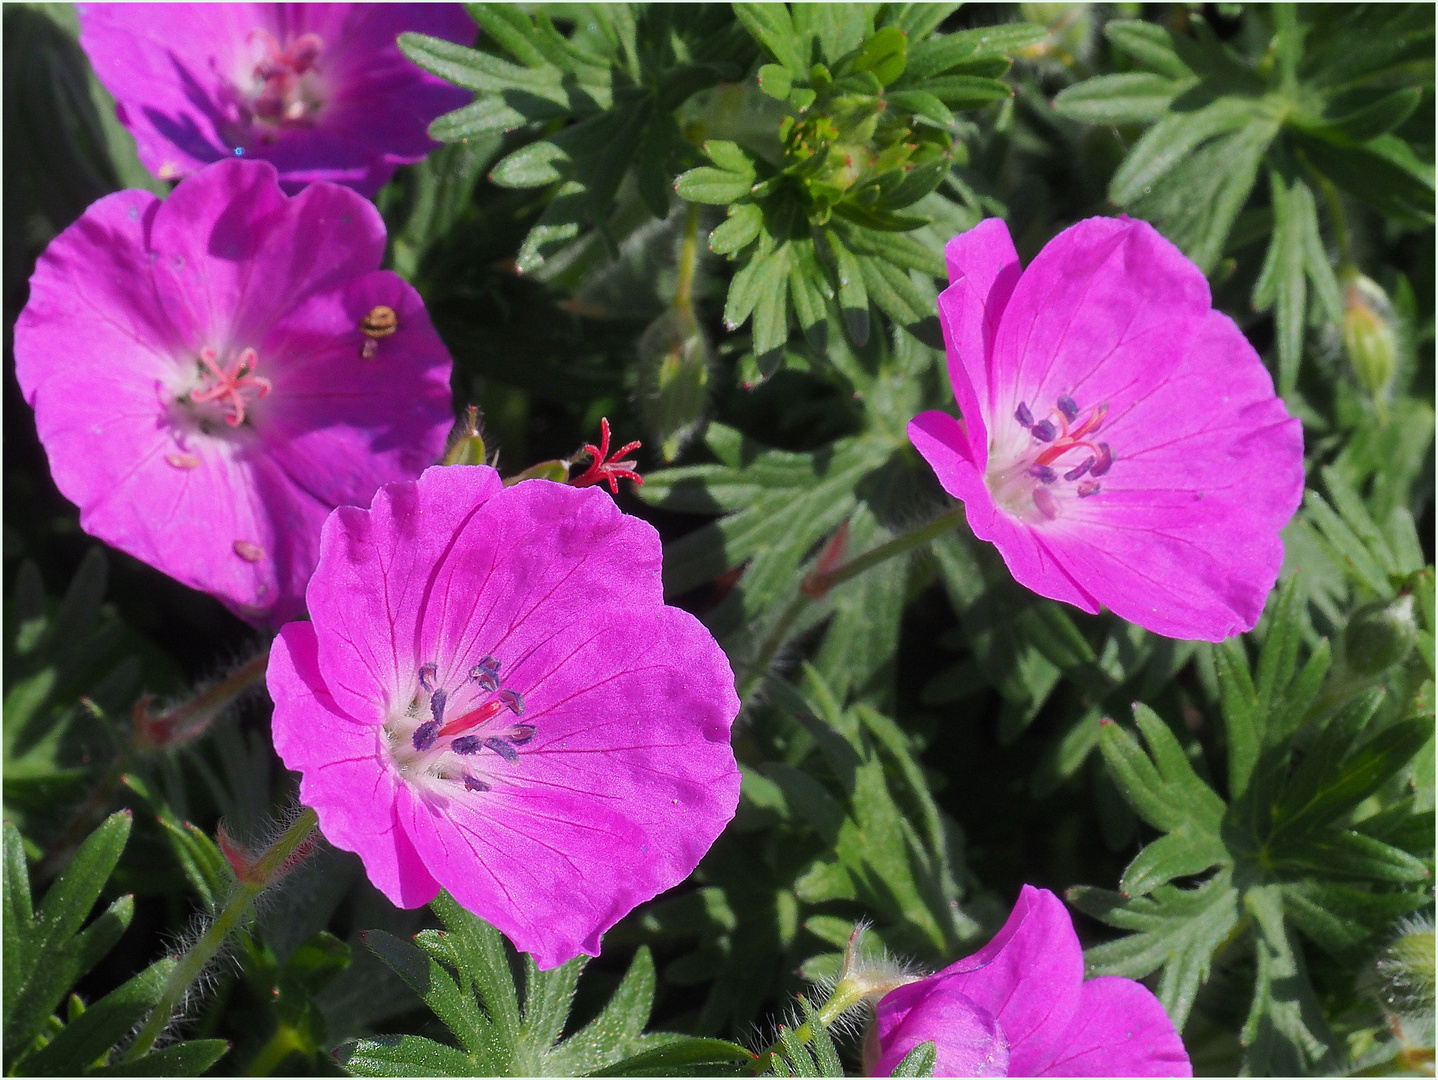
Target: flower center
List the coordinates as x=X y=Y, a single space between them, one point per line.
x=285 y=89
x=462 y=723
x=229 y=390
x=1058 y=460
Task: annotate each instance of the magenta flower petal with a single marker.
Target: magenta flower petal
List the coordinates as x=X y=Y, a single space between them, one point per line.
x=1028 y=981
x=967 y=1038
x=356 y=803
x=195 y=371
x=1119 y=1029
x=1028 y=976
x=552 y=739
x=320 y=90
x=1121 y=443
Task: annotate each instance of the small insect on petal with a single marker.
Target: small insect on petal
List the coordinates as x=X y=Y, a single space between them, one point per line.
x=380 y=323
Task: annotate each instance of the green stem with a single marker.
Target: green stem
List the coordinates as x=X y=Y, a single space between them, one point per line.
x=284 y=1042
x=197 y=957
x=817 y=584
x=1340 y=221
x=688 y=257
x=192 y=718
x=822 y=583
x=844 y=997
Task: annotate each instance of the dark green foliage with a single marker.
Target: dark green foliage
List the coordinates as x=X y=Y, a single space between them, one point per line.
x=47 y=951
x=722 y=227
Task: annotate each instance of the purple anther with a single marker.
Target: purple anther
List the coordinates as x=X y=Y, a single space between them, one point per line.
x=426 y=676
x=1043 y=474
x=425 y=734
x=471 y=784
x=1044 y=431
x=503 y=749
x=514 y=699
x=436 y=705
x=1068 y=407
x=467 y=744
x=1023 y=416
x=1105 y=460
x=1087 y=488
x=519 y=734
x=1075 y=473
x=486 y=678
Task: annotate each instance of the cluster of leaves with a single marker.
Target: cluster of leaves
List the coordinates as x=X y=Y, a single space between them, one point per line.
x=1287 y=775
x=1311 y=98
x=48 y=949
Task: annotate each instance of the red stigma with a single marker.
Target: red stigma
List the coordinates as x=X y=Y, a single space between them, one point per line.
x=470 y=719
x=231 y=385
x=609 y=471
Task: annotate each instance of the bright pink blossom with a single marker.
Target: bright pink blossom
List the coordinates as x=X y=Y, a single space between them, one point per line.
x=320 y=90
x=195 y=370
x=493 y=699
x=1121 y=443
x=1020 y=1007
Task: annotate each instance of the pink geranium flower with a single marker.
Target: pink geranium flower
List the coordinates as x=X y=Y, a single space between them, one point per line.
x=1121 y=443
x=320 y=90
x=195 y=369
x=1020 y=1007
x=493 y=699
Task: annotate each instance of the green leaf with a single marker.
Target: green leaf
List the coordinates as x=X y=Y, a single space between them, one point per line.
x=1382 y=172
x=967 y=91
x=1149 y=44
x=1345 y=921
x=884 y=54
x=190 y=1058
x=1170 y=140
x=717 y=187
x=404 y=1055
x=918 y=1062
x=101 y=1026
x=771 y=286
x=530 y=166
x=547 y=1000
x=683 y=1056
x=438 y=989
x=924 y=104
x=52 y=956
x=1176 y=855
x=1286 y=1034
x=482 y=957
x=1175 y=929
x=772 y=26
x=776 y=81
x=853 y=296
x=1130 y=98
x=612 y=1034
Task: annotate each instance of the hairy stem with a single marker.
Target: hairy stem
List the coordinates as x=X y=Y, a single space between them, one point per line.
x=843 y=997
x=270 y=866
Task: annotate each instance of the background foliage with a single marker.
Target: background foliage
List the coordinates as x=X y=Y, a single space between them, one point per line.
x=722 y=228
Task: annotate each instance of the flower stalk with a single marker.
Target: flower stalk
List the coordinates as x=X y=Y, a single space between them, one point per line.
x=271 y=865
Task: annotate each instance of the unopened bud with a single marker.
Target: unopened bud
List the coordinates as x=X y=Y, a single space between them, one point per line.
x=1368 y=335
x=1380 y=634
x=466 y=441
x=554 y=469
x=870 y=971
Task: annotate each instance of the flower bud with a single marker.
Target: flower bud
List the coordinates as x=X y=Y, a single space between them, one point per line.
x=1368 y=335
x=1380 y=634
x=466 y=441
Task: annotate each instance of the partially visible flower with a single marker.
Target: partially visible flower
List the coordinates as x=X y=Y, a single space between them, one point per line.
x=1020 y=1007
x=320 y=90
x=494 y=699
x=1121 y=443
x=195 y=369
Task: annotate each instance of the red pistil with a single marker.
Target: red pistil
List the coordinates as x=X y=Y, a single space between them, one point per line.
x=471 y=719
x=1068 y=440
x=232 y=385
x=610 y=471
